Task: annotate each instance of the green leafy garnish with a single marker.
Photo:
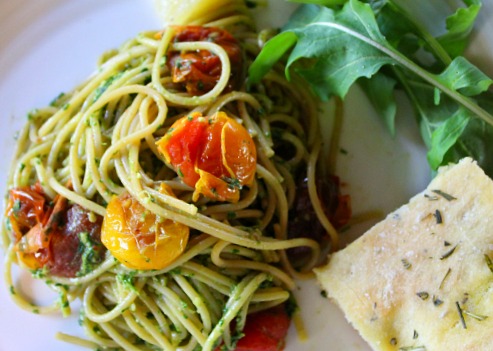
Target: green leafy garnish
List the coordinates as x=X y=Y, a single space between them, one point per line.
x=382 y=45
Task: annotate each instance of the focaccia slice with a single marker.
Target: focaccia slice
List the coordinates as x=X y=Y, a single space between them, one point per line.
x=422 y=279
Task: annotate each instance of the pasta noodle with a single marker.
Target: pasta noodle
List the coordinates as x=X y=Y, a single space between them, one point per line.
x=99 y=141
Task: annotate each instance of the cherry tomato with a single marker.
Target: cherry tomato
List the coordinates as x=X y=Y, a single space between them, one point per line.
x=138 y=238
x=199 y=71
x=27 y=206
x=264 y=331
x=215 y=154
x=47 y=233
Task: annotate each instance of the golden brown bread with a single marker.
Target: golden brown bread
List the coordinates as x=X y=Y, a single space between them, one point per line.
x=422 y=279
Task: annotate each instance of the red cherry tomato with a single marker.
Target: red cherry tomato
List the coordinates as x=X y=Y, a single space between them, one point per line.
x=264 y=331
x=199 y=71
x=48 y=234
x=215 y=154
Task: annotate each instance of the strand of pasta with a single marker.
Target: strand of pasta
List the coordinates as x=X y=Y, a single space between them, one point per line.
x=317 y=206
x=190 y=46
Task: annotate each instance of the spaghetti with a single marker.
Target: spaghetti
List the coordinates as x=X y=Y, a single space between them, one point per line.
x=101 y=142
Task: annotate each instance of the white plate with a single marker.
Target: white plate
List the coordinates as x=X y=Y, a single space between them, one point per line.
x=48 y=46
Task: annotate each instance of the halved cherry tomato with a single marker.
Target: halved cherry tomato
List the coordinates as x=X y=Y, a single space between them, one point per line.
x=27 y=206
x=199 y=71
x=138 y=238
x=215 y=154
x=264 y=331
x=47 y=234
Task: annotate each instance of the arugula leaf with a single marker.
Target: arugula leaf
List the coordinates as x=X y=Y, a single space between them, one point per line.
x=463 y=76
x=332 y=48
x=459 y=26
x=342 y=45
x=445 y=136
x=321 y=2
x=380 y=90
x=272 y=52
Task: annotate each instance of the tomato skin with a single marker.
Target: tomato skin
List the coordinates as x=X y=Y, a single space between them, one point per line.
x=215 y=154
x=137 y=238
x=264 y=331
x=46 y=233
x=27 y=206
x=199 y=71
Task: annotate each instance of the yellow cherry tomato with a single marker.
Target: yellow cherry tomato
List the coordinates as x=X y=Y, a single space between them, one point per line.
x=138 y=238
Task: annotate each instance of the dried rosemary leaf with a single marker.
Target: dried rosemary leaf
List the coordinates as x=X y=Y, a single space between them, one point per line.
x=412 y=348
x=488 y=262
x=446 y=196
x=436 y=301
x=406 y=264
x=438 y=216
x=445 y=278
x=423 y=295
x=448 y=253
x=461 y=315
x=477 y=317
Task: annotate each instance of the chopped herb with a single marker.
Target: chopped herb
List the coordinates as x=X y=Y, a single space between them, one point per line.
x=448 y=253
x=431 y=198
x=200 y=85
x=323 y=293
x=190 y=118
x=179 y=172
x=231 y=215
x=233 y=183
x=393 y=341
x=127 y=280
x=446 y=243
x=445 y=278
x=35 y=311
x=436 y=301
x=12 y=290
x=438 y=217
x=475 y=316
x=488 y=262
x=235 y=251
x=446 y=196
x=21 y=167
x=423 y=295
x=91 y=257
x=291 y=306
x=250 y=4
x=56 y=101
x=406 y=263
x=415 y=335
x=461 y=315
x=343 y=151
x=17 y=206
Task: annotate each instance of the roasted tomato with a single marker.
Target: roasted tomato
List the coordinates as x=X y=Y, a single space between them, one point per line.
x=215 y=154
x=138 y=238
x=53 y=234
x=199 y=71
x=264 y=331
x=304 y=221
